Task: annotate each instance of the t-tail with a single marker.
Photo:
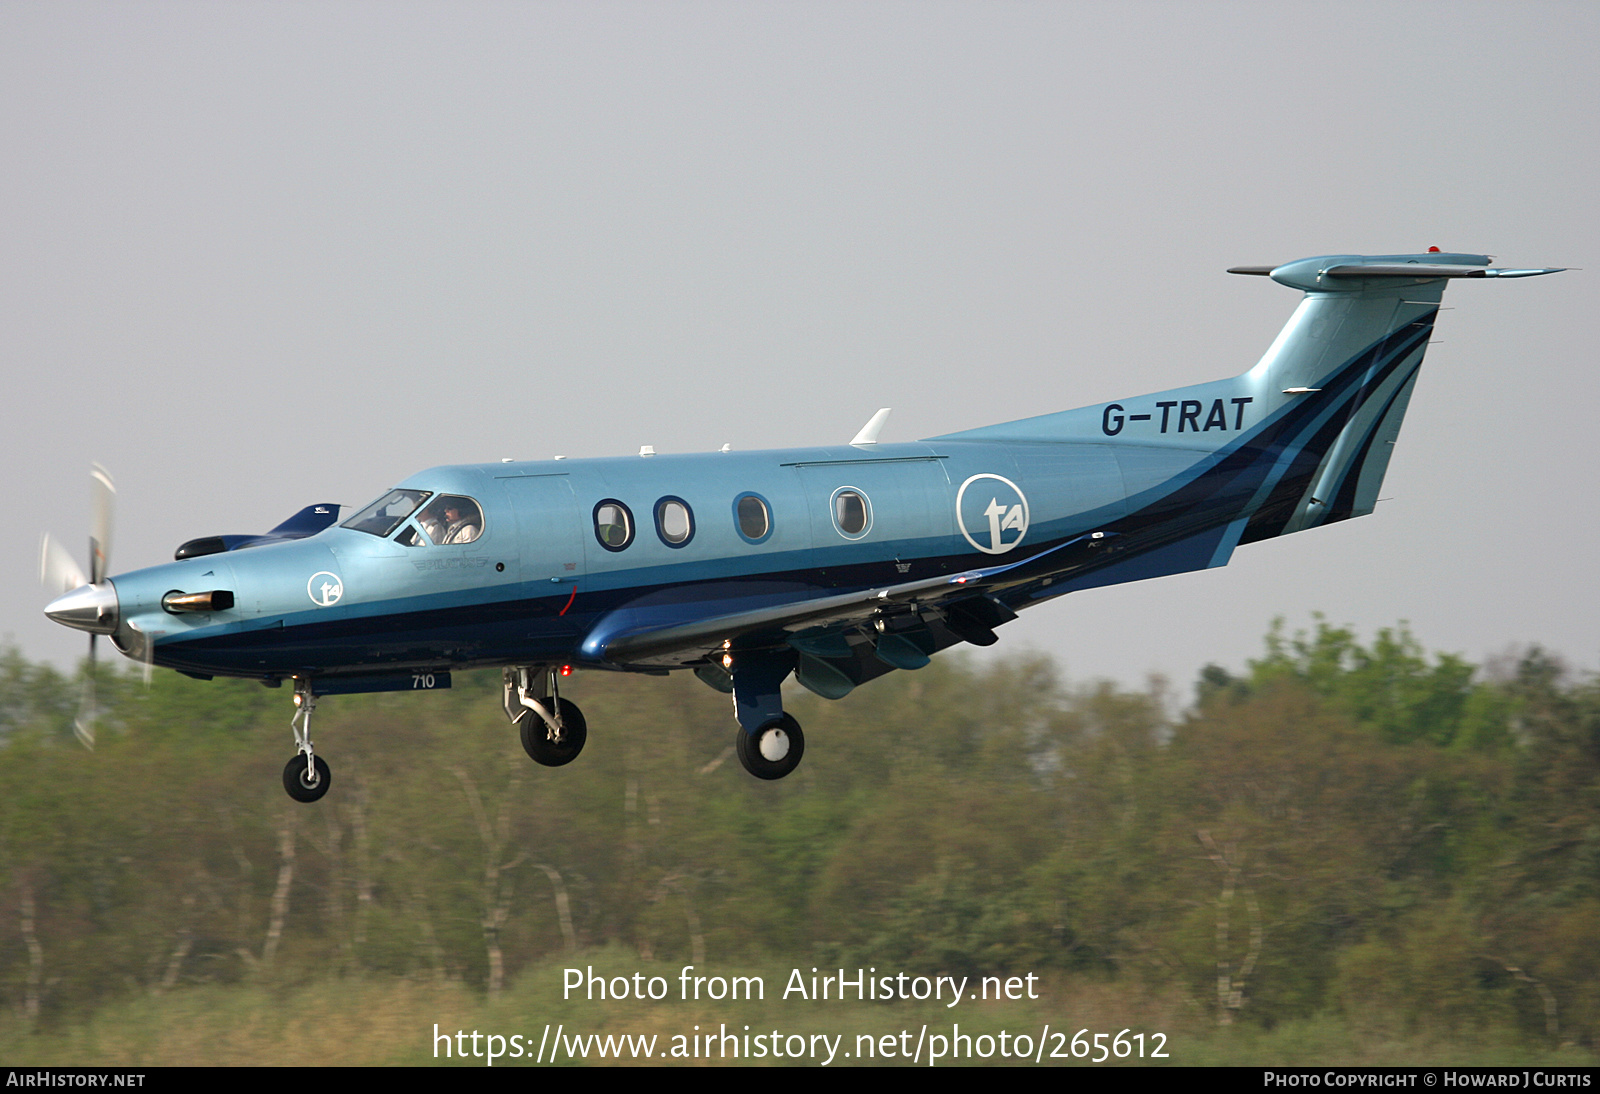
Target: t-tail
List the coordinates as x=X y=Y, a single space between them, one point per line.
x=1303 y=438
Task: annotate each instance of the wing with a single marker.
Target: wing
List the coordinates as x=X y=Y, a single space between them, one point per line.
x=842 y=639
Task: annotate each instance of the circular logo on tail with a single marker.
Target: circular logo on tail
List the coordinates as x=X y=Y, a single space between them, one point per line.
x=992 y=512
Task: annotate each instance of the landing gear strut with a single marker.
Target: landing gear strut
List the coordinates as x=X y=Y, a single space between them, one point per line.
x=306 y=777
x=553 y=729
x=770 y=743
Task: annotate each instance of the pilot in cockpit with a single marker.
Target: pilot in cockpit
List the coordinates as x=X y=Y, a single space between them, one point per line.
x=452 y=519
x=463 y=522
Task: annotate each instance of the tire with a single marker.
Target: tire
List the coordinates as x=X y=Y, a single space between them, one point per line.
x=778 y=735
x=536 y=740
x=294 y=778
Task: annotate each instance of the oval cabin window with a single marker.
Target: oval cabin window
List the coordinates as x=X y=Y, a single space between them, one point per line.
x=755 y=521
x=851 y=513
x=674 y=521
x=613 y=525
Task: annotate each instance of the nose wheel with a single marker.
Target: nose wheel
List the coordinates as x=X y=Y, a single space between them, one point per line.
x=306 y=777
x=557 y=741
x=552 y=729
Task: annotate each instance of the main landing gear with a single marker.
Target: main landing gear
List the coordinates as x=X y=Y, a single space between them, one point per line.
x=770 y=743
x=553 y=729
x=773 y=750
x=306 y=777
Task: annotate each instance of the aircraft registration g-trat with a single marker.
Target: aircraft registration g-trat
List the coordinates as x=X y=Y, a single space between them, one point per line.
x=834 y=565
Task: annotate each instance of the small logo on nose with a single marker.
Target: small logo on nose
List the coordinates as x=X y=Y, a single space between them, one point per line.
x=325 y=589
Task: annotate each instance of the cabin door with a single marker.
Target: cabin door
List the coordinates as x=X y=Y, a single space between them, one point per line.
x=549 y=531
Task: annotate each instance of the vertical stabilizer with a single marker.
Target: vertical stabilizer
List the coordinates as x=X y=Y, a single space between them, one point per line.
x=1340 y=376
x=1304 y=437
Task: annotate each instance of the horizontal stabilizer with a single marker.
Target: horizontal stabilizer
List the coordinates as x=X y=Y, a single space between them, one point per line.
x=1431 y=270
x=1310 y=273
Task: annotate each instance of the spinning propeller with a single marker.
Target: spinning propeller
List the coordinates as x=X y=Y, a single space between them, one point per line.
x=87 y=603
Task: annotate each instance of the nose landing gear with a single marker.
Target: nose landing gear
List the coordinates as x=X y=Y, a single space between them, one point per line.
x=306 y=783
x=306 y=777
x=553 y=729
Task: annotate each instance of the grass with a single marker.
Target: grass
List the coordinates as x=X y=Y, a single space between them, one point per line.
x=375 y=1021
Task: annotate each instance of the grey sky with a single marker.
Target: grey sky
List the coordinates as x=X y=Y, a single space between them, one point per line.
x=261 y=255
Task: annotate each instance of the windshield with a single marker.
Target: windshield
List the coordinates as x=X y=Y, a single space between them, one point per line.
x=381 y=517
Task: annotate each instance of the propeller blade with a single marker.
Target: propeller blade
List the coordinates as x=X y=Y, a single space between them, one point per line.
x=58 y=573
x=83 y=725
x=144 y=648
x=102 y=494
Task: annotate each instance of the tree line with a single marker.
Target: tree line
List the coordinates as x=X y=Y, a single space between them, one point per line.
x=1348 y=828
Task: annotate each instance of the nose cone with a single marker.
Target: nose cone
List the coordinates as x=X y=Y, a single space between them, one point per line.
x=91 y=608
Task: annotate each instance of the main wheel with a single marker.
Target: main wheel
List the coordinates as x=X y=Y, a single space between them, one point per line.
x=536 y=740
x=300 y=788
x=774 y=750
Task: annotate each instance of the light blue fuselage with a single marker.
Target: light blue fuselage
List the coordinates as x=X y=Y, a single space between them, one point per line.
x=1138 y=487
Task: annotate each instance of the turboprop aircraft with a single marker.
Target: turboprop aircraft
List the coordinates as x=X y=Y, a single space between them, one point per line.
x=834 y=564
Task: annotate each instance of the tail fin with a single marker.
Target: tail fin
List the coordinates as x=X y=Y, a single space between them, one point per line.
x=1304 y=437
x=1335 y=384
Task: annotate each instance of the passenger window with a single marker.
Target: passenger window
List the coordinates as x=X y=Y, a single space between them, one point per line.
x=613 y=525
x=852 y=514
x=753 y=516
x=674 y=522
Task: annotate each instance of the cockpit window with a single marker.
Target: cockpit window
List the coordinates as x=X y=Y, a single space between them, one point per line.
x=382 y=516
x=451 y=518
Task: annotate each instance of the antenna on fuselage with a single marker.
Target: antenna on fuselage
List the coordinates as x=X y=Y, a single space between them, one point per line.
x=869 y=432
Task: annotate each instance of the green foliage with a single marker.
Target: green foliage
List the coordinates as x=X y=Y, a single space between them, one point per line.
x=1388 y=687
x=33 y=698
x=1347 y=832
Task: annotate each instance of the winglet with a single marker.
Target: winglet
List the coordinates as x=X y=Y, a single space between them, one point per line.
x=869 y=432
